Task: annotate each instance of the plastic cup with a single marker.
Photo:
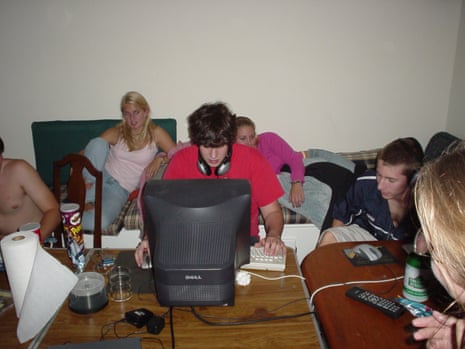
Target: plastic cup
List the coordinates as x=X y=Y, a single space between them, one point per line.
x=32 y=226
x=119 y=280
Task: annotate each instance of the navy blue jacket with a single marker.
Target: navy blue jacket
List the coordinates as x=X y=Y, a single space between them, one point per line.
x=364 y=205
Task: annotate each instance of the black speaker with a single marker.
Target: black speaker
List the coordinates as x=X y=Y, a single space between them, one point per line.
x=222 y=169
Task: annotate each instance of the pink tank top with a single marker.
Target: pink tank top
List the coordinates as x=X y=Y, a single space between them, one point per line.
x=126 y=166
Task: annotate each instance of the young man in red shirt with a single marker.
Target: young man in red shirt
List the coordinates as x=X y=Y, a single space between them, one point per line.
x=214 y=154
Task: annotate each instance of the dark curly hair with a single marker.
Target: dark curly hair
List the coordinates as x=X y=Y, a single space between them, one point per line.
x=212 y=125
x=2 y=146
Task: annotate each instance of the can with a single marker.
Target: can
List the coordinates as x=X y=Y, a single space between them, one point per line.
x=32 y=226
x=74 y=238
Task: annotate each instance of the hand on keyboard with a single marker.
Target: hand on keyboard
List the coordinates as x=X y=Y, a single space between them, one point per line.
x=273 y=245
x=260 y=261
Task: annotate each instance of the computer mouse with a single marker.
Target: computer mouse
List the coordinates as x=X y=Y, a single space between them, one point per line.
x=370 y=252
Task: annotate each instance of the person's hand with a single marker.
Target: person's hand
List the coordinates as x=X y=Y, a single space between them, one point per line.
x=152 y=169
x=141 y=248
x=440 y=331
x=296 y=195
x=272 y=245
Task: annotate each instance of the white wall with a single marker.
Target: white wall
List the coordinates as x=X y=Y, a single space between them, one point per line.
x=456 y=116
x=341 y=75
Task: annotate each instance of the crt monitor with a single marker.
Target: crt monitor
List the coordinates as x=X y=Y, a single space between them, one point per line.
x=199 y=234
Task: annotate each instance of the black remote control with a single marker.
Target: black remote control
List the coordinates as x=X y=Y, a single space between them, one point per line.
x=387 y=306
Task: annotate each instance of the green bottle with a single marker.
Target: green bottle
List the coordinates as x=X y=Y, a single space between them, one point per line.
x=416 y=277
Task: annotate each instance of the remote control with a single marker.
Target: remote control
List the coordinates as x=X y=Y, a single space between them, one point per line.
x=387 y=306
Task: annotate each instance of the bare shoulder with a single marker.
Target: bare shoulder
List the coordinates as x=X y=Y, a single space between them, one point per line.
x=112 y=134
x=157 y=131
x=18 y=170
x=154 y=128
x=17 y=166
x=161 y=136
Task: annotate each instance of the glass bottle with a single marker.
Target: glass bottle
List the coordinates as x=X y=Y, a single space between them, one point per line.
x=416 y=277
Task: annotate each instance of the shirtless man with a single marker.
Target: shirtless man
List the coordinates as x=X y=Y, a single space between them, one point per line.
x=25 y=198
x=379 y=205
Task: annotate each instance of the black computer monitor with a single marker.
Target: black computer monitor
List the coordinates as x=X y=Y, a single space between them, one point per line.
x=199 y=234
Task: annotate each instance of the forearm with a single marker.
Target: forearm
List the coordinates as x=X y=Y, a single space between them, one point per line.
x=297 y=167
x=49 y=223
x=152 y=169
x=274 y=224
x=274 y=227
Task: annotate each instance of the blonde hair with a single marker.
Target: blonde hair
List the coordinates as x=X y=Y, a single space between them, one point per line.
x=440 y=202
x=135 y=98
x=244 y=121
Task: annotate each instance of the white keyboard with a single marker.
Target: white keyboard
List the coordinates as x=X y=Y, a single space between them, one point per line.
x=260 y=261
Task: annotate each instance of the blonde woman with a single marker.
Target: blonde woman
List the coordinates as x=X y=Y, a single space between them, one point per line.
x=440 y=201
x=123 y=152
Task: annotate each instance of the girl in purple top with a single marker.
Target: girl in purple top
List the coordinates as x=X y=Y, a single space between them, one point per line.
x=278 y=153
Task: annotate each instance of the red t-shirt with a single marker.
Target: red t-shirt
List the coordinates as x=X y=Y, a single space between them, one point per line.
x=246 y=163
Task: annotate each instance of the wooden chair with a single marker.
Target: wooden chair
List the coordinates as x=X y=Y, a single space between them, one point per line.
x=76 y=187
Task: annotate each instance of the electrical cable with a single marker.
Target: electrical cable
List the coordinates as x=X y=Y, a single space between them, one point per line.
x=173 y=345
x=358 y=282
x=247 y=322
x=108 y=327
x=154 y=339
x=277 y=277
x=112 y=326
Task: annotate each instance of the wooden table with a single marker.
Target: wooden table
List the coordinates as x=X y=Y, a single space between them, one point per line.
x=344 y=322
x=261 y=299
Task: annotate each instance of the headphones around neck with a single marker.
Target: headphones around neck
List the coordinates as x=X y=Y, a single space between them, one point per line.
x=222 y=168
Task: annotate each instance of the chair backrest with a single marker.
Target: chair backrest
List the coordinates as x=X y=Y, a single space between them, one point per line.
x=74 y=164
x=54 y=139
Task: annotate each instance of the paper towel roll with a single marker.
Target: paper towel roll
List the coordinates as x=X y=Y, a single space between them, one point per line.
x=39 y=283
x=19 y=251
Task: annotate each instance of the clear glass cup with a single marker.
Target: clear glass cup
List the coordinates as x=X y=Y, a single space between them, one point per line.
x=120 y=288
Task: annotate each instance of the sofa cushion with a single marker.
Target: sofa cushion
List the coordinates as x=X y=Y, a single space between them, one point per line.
x=438 y=143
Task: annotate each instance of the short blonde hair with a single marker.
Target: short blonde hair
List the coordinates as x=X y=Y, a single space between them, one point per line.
x=440 y=202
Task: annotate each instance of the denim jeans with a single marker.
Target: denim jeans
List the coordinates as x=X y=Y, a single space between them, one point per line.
x=114 y=196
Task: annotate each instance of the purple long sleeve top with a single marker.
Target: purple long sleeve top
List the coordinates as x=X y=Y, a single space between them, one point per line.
x=278 y=153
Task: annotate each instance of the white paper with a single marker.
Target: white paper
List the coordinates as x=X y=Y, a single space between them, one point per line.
x=39 y=283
